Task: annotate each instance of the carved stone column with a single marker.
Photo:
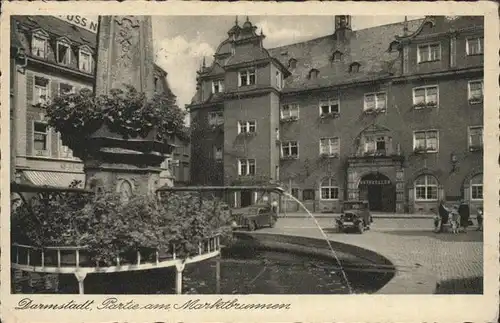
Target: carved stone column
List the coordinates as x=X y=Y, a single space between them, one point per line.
x=124 y=58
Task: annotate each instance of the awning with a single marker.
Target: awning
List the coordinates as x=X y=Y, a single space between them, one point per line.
x=54 y=179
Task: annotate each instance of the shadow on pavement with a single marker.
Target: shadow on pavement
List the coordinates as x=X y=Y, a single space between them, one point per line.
x=470 y=285
x=470 y=236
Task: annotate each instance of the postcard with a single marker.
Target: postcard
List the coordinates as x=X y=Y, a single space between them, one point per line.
x=244 y=162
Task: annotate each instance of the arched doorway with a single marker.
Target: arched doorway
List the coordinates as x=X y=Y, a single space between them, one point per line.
x=379 y=191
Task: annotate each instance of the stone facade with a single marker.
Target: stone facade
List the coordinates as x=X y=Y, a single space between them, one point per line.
x=364 y=119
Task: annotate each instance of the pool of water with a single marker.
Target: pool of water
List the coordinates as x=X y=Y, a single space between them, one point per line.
x=272 y=272
x=241 y=271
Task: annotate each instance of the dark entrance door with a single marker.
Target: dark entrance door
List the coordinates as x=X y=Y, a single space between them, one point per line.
x=379 y=191
x=246 y=198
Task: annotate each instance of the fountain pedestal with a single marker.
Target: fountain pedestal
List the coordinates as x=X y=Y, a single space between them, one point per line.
x=124 y=58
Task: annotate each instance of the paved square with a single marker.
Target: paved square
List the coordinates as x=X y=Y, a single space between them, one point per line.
x=455 y=259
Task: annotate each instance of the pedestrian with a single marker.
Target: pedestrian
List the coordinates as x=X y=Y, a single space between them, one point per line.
x=464 y=212
x=443 y=213
x=274 y=206
x=479 y=219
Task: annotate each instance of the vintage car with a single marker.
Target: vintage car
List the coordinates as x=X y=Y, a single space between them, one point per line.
x=253 y=217
x=355 y=216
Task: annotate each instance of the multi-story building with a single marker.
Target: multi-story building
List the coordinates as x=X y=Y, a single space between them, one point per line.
x=391 y=114
x=49 y=57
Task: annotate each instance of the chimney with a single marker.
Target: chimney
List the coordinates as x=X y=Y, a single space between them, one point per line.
x=343 y=28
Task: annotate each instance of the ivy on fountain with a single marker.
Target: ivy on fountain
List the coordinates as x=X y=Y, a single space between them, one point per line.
x=126 y=112
x=105 y=227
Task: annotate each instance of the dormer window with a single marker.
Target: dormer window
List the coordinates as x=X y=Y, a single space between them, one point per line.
x=39 y=46
x=217 y=86
x=337 y=56
x=63 y=53
x=85 y=61
x=354 y=67
x=292 y=63
x=313 y=74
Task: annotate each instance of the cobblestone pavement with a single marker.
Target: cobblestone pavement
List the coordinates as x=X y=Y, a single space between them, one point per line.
x=455 y=259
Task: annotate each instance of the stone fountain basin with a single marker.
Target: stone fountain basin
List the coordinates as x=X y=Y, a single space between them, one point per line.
x=405 y=280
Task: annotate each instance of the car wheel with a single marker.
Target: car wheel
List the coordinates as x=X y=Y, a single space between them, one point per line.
x=251 y=226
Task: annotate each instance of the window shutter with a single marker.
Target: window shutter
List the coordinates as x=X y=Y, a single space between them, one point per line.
x=29 y=87
x=29 y=134
x=54 y=143
x=54 y=89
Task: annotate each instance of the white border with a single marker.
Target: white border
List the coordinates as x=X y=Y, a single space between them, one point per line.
x=311 y=308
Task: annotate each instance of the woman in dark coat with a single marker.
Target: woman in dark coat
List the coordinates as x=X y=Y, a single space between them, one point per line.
x=443 y=214
x=464 y=212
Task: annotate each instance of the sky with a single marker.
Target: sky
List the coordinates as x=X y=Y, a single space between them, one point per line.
x=181 y=42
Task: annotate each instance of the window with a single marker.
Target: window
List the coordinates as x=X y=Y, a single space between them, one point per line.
x=218 y=153
x=292 y=63
x=475 y=138
x=354 y=68
x=425 y=96
x=39 y=46
x=63 y=54
x=329 y=107
x=375 y=101
x=40 y=138
x=329 y=146
x=337 y=56
x=475 y=91
x=41 y=90
x=215 y=118
x=427 y=141
x=85 y=61
x=476 y=187
x=218 y=86
x=65 y=88
x=475 y=46
x=246 y=167
x=290 y=149
x=426 y=188
x=247 y=77
x=247 y=127
x=313 y=74
x=290 y=111
x=329 y=191
x=429 y=53
x=295 y=192
x=279 y=80
x=308 y=195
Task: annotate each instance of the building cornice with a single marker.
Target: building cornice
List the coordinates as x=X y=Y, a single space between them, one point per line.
x=393 y=79
x=232 y=95
x=35 y=61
